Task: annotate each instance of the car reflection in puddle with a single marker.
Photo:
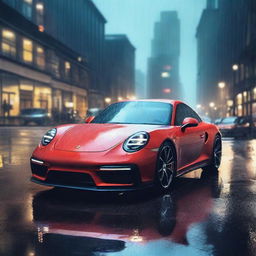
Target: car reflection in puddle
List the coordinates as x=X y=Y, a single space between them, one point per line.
x=81 y=223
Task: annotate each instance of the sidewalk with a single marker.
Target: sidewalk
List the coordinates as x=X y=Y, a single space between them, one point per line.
x=10 y=121
x=16 y=121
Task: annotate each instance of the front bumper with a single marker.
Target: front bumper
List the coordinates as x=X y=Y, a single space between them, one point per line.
x=105 y=170
x=97 y=178
x=96 y=188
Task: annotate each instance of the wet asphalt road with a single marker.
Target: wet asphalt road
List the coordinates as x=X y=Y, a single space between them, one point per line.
x=204 y=215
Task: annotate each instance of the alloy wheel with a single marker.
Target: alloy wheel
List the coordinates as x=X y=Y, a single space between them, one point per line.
x=166 y=166
x=217 y=152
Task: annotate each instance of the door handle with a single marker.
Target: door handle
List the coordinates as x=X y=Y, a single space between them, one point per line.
x=202 y=135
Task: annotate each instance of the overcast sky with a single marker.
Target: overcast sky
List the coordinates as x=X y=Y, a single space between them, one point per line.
x=136 y=18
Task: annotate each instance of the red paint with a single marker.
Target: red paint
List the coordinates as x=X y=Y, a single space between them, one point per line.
x=85 y=147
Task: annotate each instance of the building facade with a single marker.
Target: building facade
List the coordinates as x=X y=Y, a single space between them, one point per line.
x=226 y=38
x=208 y=59
x=77 y=24
x=163 y=65
x=119 y=68
x=36 y=70
x=243 y=78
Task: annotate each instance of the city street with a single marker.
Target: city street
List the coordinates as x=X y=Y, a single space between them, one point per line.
x=203 y=215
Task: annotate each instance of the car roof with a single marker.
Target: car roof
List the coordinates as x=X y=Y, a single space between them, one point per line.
x=173 y=102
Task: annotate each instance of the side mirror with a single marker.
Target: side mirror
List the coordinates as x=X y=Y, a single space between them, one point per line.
x=189 y=122
x=89 y=119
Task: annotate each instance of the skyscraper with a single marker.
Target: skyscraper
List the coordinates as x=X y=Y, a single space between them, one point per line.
x=119 y=67
x=163 y=65
x=208 y=57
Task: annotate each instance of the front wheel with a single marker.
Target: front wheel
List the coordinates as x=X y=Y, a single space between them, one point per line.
x=165 y=167
x=216 y=155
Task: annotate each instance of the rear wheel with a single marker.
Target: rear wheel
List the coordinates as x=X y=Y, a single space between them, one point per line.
x=216 y=155
x=165 y=167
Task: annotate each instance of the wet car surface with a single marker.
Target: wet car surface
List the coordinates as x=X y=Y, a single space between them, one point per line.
x=203 y=215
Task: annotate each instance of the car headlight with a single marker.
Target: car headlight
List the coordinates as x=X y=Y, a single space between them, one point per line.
x=48 y=137
x=136 y=142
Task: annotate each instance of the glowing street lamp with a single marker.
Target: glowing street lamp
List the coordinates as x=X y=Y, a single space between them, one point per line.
x=212 y=105
x=198 y=106
x=107 y=100
x=235 y=67
x=221 y=85
x=39 y=6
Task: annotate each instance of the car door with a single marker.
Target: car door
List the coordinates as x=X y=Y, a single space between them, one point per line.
x=191 y=141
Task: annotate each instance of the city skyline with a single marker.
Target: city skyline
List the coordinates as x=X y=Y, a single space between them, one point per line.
x=144 y=16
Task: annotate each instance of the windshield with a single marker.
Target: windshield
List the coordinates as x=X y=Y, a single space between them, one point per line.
x=33 y=111
x=136 y=112
x=229 y=120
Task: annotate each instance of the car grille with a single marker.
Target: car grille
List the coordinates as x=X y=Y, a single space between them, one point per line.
x=116 y=177
x=69 y=178
x=39 y=170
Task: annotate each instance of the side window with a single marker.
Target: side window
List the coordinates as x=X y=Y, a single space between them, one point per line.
x=183 y=111
x=180 y=114
x=193 y=114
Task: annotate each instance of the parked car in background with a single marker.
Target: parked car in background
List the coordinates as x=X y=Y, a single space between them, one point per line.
x=38 y=116
x=218 y=121
x=235 y=126
x=206 y=119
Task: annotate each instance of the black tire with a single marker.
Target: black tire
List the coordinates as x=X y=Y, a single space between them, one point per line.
x=216 y=155
x=166 y=165
x=167 y=215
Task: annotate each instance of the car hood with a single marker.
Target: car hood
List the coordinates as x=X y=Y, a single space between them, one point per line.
x=98 y=137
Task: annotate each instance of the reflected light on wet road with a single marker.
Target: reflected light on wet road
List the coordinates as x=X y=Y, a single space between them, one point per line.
x=203 y=215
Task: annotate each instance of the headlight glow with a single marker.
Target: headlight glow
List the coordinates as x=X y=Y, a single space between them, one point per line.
x=48 y=137
x=136 y=142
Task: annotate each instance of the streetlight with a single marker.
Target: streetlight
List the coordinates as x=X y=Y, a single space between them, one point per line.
x=198 y=106
x=107 y=100
x=221 y=85
x=235 y=67
x=120 y=98
x=211 y=104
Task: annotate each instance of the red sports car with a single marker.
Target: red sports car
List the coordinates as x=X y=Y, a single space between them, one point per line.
x=130 y=145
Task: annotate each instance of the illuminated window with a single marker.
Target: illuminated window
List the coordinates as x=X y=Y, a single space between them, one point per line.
x=240 y=110
x=165 y=74
x=67 y=68
x=245 y=96
x=40 y=57
x=27 y=8
x=254 y=93
x=27 y=50
x=239 y=99
x=40 y=13
x=8 y=43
